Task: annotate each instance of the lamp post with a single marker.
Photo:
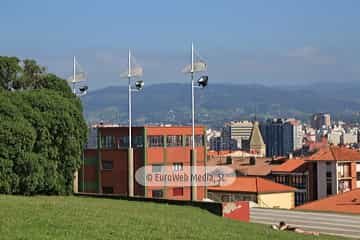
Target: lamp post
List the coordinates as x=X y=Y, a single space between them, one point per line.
x=131 y=72
x=78 y=77
x=195 y=66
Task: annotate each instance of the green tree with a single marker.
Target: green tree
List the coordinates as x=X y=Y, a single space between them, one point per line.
x=42 y=133
x=9 y=71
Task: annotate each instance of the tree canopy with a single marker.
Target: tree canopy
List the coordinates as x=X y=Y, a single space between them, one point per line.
x=42 y=130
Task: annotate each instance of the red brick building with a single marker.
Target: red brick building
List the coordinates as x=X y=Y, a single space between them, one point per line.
x=105 y=167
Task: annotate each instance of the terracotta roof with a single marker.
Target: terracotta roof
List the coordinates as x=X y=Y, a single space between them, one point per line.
x=253 y=185
x=348 y=202
x=262 y=166
x=335 y=153
x=289 y=166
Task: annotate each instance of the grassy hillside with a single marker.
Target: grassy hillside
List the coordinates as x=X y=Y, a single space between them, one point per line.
x=88 y=218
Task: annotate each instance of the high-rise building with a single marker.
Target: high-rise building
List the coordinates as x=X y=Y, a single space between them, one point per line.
x=298 y=133
x=237 y=132
x=318 y=120
x=279 y=137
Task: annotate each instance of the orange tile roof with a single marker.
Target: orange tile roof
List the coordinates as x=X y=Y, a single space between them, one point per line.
x=262 y=166
x=335 y=153
x=289 y=166
x=253 y=185
x=348 y=202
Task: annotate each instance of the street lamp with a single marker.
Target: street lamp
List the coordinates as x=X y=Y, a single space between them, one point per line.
x=195 y=66
x=79 y=76
x=132 y=72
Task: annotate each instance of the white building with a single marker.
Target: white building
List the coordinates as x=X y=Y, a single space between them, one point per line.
x=239 y=131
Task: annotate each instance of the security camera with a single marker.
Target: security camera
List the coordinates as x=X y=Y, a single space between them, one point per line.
x=203 y=81
x=83 y=89
x=139 y=84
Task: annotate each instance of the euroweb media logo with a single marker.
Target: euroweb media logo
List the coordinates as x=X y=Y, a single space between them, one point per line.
x=184 y=176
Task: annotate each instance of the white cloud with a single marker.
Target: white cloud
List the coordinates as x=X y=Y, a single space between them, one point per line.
x=311 y=55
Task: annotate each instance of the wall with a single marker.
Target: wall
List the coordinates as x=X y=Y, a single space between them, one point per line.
x=237 y=211
x=167 y=156
x=321 y=179
x=213 y=207
x=357 y=168
x=277 y=200
x=221 y=196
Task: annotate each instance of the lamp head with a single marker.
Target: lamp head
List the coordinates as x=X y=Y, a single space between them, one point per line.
x=203 y=81
x=139 y=84
x=83 y=88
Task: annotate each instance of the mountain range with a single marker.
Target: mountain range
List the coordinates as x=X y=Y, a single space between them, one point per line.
x=218 y=103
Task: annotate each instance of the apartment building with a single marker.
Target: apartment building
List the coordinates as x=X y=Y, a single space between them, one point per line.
x=337 y=170
x=299 y=174
x=105 y=166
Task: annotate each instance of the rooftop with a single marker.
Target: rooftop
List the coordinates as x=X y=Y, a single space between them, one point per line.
x=289 y=166
x=242 y=165
x=253 y=185
x=348 y=202
x=335 y=153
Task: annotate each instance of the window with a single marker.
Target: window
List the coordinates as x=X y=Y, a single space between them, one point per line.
x=178 y=167
x=174 y=141
x=108 y=142
x=328 y=188
x=157 y=168
x=344 y=170
x=123 y=142
x=136 y=141
x=107 y=190
x=178 y=191
x=344 y=186
x=299 y=181
x=225 y=198
x=156 y=141
x=107 y=165
x=358 y=176
x=199 y=140
x=157 y=193
x=300 y=198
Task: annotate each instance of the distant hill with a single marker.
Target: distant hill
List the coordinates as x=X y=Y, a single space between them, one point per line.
x=170 y=103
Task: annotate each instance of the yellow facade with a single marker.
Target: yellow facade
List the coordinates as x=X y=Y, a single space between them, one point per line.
x=277 y=200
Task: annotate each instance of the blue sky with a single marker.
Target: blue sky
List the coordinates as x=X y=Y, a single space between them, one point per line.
x=269 y=42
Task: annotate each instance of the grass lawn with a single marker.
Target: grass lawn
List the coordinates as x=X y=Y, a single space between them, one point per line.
x=89 y=218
